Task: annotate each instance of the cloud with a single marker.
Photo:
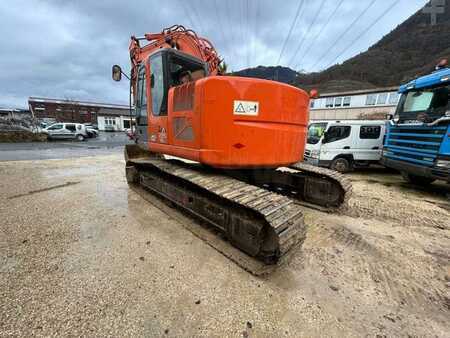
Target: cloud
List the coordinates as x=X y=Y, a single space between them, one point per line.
x=65 y=49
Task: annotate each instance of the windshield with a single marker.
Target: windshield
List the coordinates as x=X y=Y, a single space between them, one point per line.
x=425 y=105
x=315 y=132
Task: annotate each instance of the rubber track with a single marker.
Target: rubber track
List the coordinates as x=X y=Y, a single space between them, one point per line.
x=281 y=213
x=343 y=181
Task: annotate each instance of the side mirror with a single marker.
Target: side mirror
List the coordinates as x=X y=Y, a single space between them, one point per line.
x=116 y=73
x=313 y=94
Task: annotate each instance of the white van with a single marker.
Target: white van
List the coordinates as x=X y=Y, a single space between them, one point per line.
x=66 y=131
x=344 y=145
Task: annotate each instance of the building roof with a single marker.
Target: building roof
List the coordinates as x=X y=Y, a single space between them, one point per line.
x=113 y=112
x=81 y=103
x=360 y=92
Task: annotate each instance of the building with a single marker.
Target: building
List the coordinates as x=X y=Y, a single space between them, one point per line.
x=370 y=104
x=111 y=117
x=15 y=113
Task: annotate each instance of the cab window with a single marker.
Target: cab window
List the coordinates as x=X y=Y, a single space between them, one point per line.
x=183 y=70
x=141 y=95
x=157 y=85
x=55 y=127
x=70 y=127
x=370 y=132
x=336 y=133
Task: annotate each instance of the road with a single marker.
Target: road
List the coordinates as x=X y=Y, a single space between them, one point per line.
x=82 y=254
x=104 y=144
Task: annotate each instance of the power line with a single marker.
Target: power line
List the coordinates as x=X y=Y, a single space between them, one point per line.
x=307 y=31
x=247 y=31
x=220 y=22
x=363 y=32
x=191 y=5
x=232 y=31
x=315 y=39
x=241 y=22
x=187 y=13
x=293 y=24
x=345 y=32
x=256 y=30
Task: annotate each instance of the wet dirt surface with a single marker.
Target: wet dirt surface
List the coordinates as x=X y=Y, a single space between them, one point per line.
x=106 y=143
x=82 y=254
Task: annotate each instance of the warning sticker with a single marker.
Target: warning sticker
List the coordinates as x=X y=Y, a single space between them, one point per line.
x=249 y=108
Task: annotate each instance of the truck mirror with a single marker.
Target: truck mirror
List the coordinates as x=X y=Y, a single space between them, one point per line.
x=313 y=94
x=116 y=73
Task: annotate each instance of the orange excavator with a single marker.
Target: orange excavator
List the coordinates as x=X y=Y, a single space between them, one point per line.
x=244 y=138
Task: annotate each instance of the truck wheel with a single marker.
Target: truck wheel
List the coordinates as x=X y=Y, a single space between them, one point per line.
x=418 y=180
x=80 y=137
x=341 y=164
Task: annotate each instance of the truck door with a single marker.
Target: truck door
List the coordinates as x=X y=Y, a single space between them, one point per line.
x=336 y=141
x=369 y=142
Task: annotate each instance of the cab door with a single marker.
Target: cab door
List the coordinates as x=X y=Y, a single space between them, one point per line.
x=337 y=141
x=157 y=106
x=141 y=106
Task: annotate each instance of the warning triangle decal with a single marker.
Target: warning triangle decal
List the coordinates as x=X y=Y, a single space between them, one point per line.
x=240 y=108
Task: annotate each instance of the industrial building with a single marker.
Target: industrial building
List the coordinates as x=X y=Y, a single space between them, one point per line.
x=109 y=117
x=14 y=113
x=369 y=104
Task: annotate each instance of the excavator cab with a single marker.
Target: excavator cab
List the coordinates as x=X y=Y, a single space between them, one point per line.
x=161 y=71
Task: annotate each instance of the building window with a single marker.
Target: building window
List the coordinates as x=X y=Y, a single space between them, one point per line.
x=393 y=98
x=371 y=99
x=382 y=98
x=370 y=132
x=338 y=101
x=110 y=121
x=329 y=102
x=347 y=101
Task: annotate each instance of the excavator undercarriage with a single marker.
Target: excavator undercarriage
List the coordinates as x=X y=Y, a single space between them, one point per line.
x=258 y=211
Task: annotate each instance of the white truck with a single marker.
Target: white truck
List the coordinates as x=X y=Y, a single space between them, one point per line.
x=344 y=145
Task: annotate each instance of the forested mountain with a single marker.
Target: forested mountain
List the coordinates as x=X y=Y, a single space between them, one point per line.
x=411 y=49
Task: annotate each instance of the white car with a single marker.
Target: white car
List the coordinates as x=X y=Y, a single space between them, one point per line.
x=67 y=131
x=344 y=145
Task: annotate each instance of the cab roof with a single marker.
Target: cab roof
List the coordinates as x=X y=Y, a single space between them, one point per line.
x=430 y=80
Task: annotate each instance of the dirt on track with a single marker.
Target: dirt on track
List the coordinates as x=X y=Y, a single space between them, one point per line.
x=82 y=254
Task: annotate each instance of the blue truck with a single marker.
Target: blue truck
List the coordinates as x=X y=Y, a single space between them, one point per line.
x=417 y=141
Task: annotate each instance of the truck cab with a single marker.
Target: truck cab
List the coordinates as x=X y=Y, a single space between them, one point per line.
x=344 y=145
x=418 y=138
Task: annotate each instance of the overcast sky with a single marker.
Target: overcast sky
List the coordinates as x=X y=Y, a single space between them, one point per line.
x=65 y=49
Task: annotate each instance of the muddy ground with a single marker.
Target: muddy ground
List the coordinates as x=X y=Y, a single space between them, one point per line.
x=82 y=254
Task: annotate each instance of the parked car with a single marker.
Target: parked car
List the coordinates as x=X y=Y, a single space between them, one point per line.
x=91 y=132
x=344 y=145
x=91 y=125
x=130 y=132
x=67 y=131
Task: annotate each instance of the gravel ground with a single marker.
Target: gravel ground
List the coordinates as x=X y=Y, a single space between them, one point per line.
x=82 y=254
